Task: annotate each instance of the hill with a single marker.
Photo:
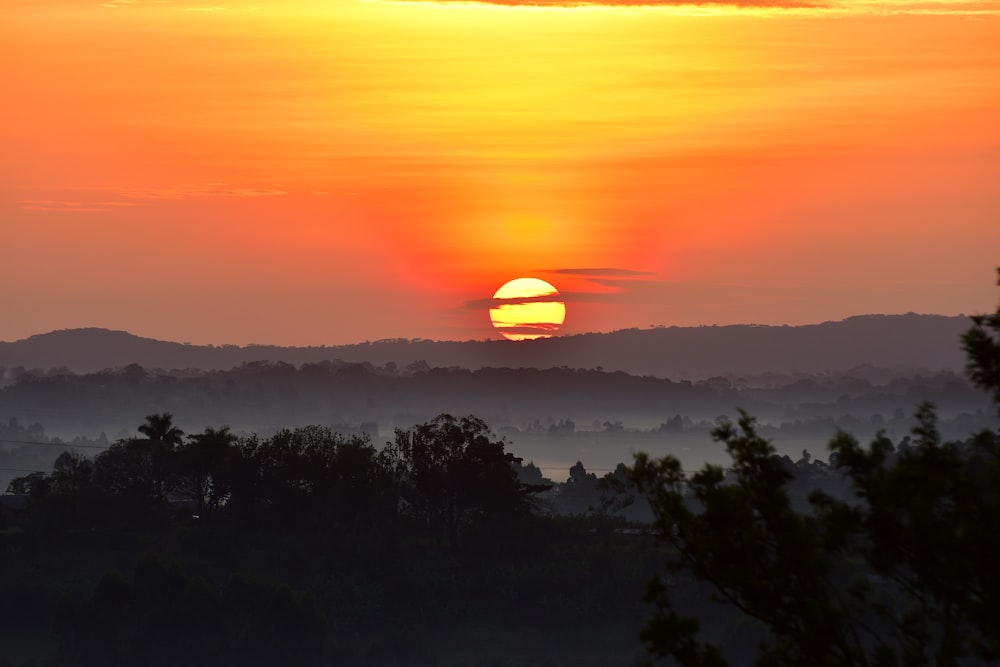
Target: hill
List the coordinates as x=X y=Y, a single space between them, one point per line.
x=910 y=342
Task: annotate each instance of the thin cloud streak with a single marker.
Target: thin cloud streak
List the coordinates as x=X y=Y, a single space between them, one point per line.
x=712 y=7
x=631 y=4
x=76 y=199
x=70 y=206
x=539 y=329
x=527 y=328
x=191 y=190
x=476 y=304
x=603 y=272
x=621 y=292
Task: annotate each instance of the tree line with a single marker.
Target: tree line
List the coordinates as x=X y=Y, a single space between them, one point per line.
x=446 y=474
x=308 y=547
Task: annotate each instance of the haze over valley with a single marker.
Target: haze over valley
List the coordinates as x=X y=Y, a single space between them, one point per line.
x=599 y=399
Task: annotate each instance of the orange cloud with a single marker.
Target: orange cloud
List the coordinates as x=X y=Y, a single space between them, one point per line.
x=785 y=4
x=840 y=7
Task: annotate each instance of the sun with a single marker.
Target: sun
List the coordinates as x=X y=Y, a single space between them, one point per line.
x=526 y=309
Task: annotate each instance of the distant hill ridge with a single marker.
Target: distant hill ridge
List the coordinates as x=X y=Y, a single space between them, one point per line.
x=911 y=341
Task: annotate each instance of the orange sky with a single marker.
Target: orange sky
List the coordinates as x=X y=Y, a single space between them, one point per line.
x=337 y=171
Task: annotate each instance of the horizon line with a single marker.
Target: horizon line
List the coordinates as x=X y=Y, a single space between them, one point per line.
x=419 y=339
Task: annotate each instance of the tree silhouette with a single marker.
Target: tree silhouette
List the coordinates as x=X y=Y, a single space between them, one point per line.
x=454 y=470
x=903 y=574
x=312 y=476
x=36 y=484
x=72 y=474
x=982 y=346
x=126 y=469
x=141 y=467
x=206 y=466
x=160 y=428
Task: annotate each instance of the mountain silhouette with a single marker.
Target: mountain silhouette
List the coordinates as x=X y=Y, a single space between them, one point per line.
x=911 y=341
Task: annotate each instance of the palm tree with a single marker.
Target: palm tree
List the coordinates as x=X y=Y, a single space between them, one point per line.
x=160 y=428
x=163 y=439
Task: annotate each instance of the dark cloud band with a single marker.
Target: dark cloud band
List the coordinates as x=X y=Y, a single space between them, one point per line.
x=602 y=271
x=514 y=301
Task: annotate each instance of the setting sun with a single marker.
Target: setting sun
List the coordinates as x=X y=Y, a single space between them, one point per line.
x=526 y=309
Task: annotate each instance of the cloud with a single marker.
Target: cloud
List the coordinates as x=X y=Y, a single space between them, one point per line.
x=622 y=291
x=169 y=4
x=969 y=8
x=614 y=286
x=478 y=304
x=70 y=205
x=648 y=291
x=191 y=190
x=528 y=328
x=638 y=4
x=93 y=200
x=598 y=272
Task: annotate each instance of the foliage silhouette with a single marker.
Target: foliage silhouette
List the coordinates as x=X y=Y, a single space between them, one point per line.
x=205 y=467
x=902 y=574
x=982 y=348
x=453 y=472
